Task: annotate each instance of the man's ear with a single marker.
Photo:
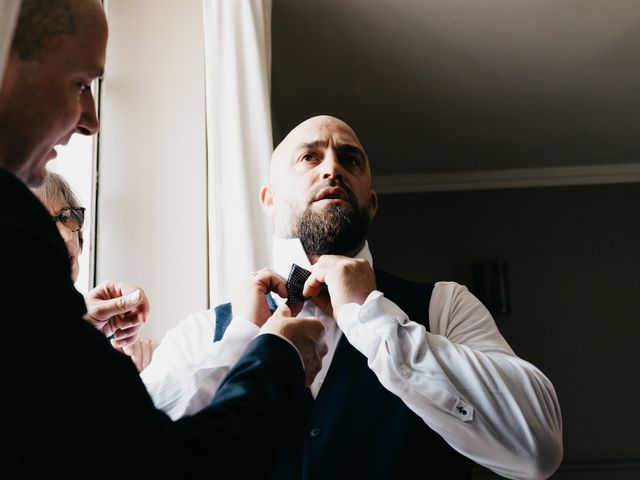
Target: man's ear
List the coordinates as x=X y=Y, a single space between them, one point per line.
x=266 y=198
x=373 y=205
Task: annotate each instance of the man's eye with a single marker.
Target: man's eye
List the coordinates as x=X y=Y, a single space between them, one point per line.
x=65 y=217
x=83 y=86
x=353 y=161
x=307 y=157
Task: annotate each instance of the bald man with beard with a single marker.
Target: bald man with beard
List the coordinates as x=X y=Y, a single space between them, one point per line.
x=417 y=377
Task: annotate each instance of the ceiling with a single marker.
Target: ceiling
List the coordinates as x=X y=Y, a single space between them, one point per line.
x=459 y=85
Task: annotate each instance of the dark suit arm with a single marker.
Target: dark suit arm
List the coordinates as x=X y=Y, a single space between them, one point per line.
x=256 y=404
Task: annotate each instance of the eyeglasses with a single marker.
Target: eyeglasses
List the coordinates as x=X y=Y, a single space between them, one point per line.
x=71 y=218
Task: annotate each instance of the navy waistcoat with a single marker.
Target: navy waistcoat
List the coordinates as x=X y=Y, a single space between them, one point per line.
x=356 y=428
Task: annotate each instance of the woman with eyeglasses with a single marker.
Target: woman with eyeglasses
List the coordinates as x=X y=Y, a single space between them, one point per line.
x=65 y=209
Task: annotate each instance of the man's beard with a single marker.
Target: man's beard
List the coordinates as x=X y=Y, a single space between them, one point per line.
x=336 y=230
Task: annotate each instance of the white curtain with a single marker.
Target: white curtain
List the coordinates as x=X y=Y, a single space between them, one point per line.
x=8 y=15
x=151 y=200
x=239 y=140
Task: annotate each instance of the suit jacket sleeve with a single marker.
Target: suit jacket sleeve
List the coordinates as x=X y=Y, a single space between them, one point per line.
x=73 y=406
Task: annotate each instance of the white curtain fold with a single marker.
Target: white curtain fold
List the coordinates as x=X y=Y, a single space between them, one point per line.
x=8 y=16
x=239 y=139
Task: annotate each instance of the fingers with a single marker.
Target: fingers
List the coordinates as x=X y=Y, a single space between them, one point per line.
x=110 y=298
x=103 y=309
x=123 y=304
x=248 y=299
x=349 y=280
x=133 y=350
x=319 y=271
x=315 y=364
x=326 y=269
x=283 y=310
x=126 y=336
x=315 y=282
x=323 y=302
x=312 y=327
x=271 y=281
x=323 y=273
x=306 y=334
x=125 y=322
x=123 y=330
x=141 y=352
x=313 y=350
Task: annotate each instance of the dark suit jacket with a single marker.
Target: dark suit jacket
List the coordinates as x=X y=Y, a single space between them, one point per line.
x=73 y=407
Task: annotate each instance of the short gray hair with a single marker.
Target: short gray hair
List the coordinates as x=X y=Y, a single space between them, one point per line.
x=38 y=22
x=54 y=187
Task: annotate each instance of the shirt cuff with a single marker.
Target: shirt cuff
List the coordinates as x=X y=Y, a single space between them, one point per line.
x=363 y=324
x=235 y=339
x=240 y=327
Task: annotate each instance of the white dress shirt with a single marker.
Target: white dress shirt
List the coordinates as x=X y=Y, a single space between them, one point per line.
x=461 y=377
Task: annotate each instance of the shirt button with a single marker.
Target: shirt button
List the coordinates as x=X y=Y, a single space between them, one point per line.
x=404 y=371
x=315 y=432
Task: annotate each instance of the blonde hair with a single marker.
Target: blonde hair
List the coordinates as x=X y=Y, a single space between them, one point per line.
x=55 y=187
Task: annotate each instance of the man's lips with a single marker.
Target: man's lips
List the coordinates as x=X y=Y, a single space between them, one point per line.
x=331 y=193
x=54 y=153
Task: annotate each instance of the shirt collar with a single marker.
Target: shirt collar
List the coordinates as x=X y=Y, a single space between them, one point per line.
x=287 y=251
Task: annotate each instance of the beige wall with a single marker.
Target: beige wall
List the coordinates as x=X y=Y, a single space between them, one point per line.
x=151 y=225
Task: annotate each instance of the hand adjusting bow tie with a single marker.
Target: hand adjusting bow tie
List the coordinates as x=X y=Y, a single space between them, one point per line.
x=295 y=284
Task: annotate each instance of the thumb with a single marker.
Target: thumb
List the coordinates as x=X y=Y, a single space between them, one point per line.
x=119 y=305
x=284 y=310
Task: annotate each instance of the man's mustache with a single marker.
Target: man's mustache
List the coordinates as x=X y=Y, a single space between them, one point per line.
x=334 y=182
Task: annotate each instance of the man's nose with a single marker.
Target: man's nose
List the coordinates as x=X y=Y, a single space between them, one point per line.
x=331 y=166
x=88 y=123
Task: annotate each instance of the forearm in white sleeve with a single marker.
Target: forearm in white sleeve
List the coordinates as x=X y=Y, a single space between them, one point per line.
x=462 y=379
x=187 y=367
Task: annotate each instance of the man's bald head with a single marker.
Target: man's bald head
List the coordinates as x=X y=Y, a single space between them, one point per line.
x=41 y=20
x=318 y=127
x=319 y=187
x=59 y=48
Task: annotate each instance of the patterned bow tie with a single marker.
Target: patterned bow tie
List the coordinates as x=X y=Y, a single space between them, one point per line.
x=295 y=284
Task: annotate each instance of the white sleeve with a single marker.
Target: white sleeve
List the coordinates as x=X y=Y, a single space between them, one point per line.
x=462 y=379
x=187 y=367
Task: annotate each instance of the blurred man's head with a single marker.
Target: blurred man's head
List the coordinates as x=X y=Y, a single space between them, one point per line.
x=58 y=50
x=319 y=188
